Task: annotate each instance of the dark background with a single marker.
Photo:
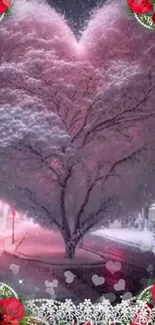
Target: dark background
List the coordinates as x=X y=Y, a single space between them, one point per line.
x=77 y=12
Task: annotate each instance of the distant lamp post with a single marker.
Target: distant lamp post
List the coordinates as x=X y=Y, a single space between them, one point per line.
x=13 y=226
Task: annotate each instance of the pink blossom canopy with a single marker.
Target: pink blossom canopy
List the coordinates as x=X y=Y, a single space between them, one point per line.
x=76 y=118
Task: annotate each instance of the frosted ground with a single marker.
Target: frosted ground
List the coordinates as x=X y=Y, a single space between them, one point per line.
x=39 y=249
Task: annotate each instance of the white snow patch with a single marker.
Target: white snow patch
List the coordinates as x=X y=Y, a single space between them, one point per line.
x=131 y=236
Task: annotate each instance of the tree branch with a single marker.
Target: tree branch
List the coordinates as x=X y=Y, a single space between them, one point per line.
x=65 y=224
x=45 y=209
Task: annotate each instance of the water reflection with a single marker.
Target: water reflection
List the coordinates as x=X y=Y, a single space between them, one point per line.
x=35 y=280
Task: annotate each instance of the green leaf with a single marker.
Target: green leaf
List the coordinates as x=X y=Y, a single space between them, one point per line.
x=25 y=321
x=130 y=11
x=8 y=13
x=22 y=299
x=29 y=312
x=151 y=281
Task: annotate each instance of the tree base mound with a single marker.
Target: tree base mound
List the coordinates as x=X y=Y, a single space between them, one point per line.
x=82 y=258
x=47 y=247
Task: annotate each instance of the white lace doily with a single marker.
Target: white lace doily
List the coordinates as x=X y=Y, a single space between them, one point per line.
x=52 y=312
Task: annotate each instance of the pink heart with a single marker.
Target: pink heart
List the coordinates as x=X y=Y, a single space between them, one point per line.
x=95 y=90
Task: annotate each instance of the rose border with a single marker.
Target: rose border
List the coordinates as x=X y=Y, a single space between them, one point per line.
x=49 y=311
x=2 y=16
x=141 y=22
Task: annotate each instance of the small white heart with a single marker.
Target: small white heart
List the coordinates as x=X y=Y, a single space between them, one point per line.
x=14 y=268
x=47 y=283
x=50 y=290
x=120 y=285
x=113 y=267
x=110 y=296
x=55 y=283
x=69 y=276
x=97 y=280
x=149 y=268
x=127 y=295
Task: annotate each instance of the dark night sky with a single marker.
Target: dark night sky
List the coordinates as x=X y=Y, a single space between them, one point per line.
x=76 y=11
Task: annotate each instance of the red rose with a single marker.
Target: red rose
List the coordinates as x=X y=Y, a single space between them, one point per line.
x=9 y=320
x=137 y=317
x=141 y=6
x=12 y=307
x=153 y=292
x=4 y=5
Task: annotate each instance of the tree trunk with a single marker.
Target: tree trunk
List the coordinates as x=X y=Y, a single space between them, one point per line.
x=70 y=248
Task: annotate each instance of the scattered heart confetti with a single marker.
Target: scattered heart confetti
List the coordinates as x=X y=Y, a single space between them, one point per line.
x=8 y=245
x=55 y=283
x=123 y=313
x=127 y=295
x=113 y=267
x=52 y=284
x=120 y=285
x=109 y=296
x=47 y=283
x=14 y=268
x=50 y=290
x=97 y=280
x=69 y=276
x=150 y=268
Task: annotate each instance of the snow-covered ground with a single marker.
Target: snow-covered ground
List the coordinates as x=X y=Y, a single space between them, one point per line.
x=32 y=241
x=43 y=271
x=35 y=243
x=46 y=250
x=144 y=238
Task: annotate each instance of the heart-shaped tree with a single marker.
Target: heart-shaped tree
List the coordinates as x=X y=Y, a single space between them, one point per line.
x=76 y=118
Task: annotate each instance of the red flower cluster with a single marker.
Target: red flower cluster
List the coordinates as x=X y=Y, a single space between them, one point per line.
x=136 y=319
x=141 y=6
x=153 y=293
x=11 y=311
x=4 y=5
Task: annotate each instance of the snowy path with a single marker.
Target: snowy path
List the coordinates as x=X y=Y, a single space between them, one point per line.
x=133 y=237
